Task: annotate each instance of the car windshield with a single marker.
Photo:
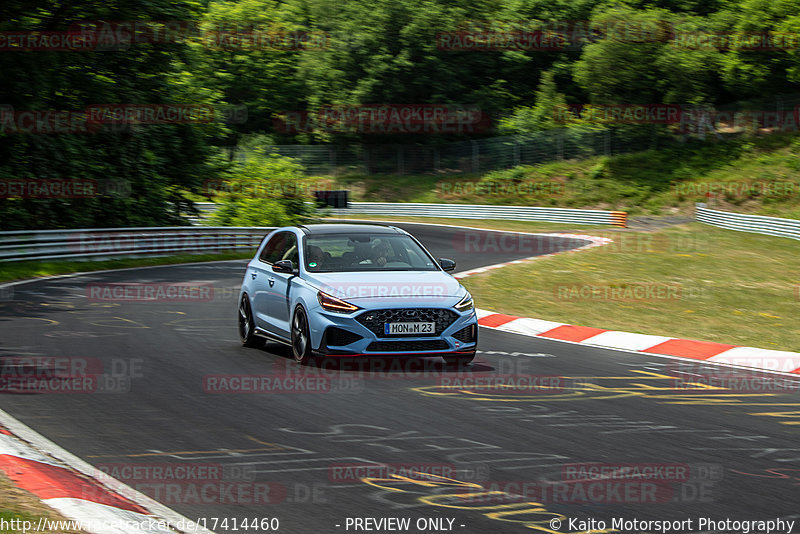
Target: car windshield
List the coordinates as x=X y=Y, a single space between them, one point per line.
x=365 y=252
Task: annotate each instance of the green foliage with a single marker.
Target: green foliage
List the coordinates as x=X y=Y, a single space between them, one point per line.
x=374 y=52
x=753 y=176
x=154 y=162
x=541 y=116
x=266 y=190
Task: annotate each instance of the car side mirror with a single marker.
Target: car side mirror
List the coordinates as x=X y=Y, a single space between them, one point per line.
x=447 y=264
x=283 y=266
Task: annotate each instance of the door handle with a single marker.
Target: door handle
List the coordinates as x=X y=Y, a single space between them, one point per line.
x=271 y=282
x=253 y=275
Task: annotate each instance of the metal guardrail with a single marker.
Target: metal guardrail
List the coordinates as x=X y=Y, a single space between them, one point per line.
x=758 y=224
x=468 y=211
x=476 y=211
x=102 y=243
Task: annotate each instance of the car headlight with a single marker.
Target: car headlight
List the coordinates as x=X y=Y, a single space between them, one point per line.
x=465 y=304
x=333 y=304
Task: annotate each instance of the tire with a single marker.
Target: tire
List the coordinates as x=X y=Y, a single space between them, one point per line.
x=247 y=326
x=459 y=360
x=301 y=340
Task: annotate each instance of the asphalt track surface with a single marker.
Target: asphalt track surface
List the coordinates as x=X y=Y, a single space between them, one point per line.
x=512 y=458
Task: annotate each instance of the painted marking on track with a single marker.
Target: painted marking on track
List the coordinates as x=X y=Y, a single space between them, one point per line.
x=572 y=333
x=700 y=350
x=58 y=304
x=640 y=383
x=496 y=320
x=70 y=333
x=327 y=462
x=114 y=322
x=451 y=493
x=225 y=452
x=49 y=321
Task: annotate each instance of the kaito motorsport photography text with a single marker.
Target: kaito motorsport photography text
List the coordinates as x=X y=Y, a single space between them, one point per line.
x=701 y=524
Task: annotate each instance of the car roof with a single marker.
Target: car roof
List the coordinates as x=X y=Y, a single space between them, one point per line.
x=349 y=228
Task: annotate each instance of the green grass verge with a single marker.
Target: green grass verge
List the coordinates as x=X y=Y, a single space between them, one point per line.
x=734 y=287
x=18 y=505
x=21 y=270
x=750 y=175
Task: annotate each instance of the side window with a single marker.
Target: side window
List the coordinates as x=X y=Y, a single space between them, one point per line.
x=274 y=248
x=289 y=251
x=282 y=246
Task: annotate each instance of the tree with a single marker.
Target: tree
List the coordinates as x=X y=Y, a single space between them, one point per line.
x=265 y=190
x=157 y=162
x=541 y=116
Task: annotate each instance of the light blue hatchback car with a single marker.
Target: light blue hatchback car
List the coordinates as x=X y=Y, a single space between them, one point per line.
x=355 y=290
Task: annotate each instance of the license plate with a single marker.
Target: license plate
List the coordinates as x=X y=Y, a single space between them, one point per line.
x=409 y=328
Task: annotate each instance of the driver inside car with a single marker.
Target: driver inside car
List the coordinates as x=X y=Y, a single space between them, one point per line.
x=380 y=253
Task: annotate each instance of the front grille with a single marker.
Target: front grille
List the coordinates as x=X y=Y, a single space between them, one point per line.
x=403 y=346
x=466 y=334
x=375 y=319
x=337 y=337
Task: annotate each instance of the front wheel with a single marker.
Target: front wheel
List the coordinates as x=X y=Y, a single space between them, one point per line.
x=247 y=326
x=301 y=341
x=459 y=360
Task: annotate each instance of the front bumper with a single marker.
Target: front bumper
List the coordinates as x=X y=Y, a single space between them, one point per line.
x=459 y=337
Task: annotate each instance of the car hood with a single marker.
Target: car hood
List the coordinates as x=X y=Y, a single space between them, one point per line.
x=434 y=288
